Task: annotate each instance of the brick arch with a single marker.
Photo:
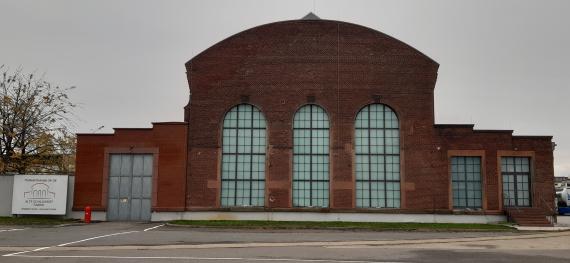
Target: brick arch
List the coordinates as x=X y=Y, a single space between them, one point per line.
x=280 y=66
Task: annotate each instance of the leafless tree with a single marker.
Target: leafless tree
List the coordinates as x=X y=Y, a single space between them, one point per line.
x=36 y=117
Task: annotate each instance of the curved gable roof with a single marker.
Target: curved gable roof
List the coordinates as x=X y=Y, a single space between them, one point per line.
x=312 y=37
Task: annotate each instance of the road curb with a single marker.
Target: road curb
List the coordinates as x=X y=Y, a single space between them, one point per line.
x=343 y=228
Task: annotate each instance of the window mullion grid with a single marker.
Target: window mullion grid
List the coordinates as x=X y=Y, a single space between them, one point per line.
x=515 y=184
x=369 y=162
x=385 y=166
x=311 y=155
x=251 y=159
x=516 y=188
x=237 y=157
x=465 y=181
x=478 y=182
x=233 y=177
x=529 y=189
x=528 y=182
x=505 y=175
x=369 y=156
x=508 y=197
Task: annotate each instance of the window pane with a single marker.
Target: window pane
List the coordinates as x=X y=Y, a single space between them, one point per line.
x=243 y=157
x=311 y=157
x=377 y=157
x=466 y=181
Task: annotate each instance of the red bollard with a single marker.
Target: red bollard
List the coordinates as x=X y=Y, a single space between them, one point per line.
x=87 y=218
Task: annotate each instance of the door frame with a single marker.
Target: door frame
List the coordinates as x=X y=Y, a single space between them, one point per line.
x=528 y=154
x=129 y=150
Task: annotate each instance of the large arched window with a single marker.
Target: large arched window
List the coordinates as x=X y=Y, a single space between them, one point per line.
x=311 y=157
x=243 y=157
x=377 y=149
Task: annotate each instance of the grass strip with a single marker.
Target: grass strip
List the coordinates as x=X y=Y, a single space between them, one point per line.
x=340 y=225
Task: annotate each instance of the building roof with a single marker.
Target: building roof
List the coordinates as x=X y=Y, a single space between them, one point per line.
x=322 y=37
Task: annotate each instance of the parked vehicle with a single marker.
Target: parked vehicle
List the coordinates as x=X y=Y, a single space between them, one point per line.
x=562 y=200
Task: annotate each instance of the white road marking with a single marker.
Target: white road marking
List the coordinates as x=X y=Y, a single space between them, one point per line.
x=27 y=251
x=91 y=238
x=20 y=254
x=325 y=244
x=376 y=243
x=331 y=244
x=151 y=228
x=206 y=258
x=15 y=229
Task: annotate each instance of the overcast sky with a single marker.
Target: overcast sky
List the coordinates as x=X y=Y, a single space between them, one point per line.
x=504 y=64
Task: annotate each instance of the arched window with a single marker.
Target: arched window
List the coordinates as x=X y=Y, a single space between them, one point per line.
x=377 y=146
x=243 y=157
x=311 y=157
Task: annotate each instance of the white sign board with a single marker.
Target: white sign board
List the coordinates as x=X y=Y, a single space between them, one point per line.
x=39 y=194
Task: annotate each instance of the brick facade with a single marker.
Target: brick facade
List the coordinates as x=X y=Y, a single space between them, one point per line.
x=166 y=141
x=342 y=67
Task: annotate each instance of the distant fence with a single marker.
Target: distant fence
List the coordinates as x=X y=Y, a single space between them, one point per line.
x=6 y=189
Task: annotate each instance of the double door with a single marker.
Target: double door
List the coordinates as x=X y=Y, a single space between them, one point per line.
x=516 y=181
x=130 y=187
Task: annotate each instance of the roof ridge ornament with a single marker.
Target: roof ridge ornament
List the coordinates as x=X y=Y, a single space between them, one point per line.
x=311 y=16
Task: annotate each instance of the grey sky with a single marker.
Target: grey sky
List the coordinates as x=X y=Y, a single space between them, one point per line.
x=504 y=64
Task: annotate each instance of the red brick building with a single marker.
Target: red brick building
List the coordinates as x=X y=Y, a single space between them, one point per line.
x=312 y=119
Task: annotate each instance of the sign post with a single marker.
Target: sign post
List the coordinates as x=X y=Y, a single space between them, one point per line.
x=39 y=195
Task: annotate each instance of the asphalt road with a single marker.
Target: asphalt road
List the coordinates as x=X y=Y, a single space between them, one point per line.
x=129 y=242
